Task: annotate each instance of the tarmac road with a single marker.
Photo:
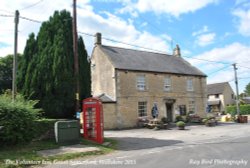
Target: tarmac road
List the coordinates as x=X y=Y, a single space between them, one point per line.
x=226 y=145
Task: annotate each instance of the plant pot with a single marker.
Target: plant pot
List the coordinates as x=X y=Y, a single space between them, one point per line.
x=181 y=127
x=209 y=124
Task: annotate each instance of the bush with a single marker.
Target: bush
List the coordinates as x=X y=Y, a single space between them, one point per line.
x=17 y=119
x=44 y=129
x=180 y=124
x=179 y=118
x=164 y=120
x=244 y=109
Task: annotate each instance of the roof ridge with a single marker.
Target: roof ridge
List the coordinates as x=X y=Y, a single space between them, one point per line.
x=218 y=83
x=137 y=50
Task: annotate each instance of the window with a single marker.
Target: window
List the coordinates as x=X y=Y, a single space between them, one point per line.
x=141 y=85
x=167 y=84
x=190 y=85
x=182 y=109
x=217 y=96
x=191 y=106
x=142 y=109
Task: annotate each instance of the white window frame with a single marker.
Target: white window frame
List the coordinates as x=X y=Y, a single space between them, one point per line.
x=190 y=86
x=167 y=84
x=142 y=108
x=141 y=82
x=191 y=106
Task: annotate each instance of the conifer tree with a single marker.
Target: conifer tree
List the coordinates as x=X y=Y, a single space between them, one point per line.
x=49 y=75
x=84 y=70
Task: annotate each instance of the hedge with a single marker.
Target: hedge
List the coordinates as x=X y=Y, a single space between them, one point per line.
x=244 y=109
x=17 y=120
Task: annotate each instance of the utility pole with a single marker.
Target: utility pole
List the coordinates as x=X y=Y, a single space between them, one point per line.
x=76 y=62
x=14 y=89
x=237 y=89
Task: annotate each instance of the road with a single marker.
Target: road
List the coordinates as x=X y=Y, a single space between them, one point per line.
x=225 y=146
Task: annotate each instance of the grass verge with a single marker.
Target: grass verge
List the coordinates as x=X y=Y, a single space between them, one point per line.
x=17 y=156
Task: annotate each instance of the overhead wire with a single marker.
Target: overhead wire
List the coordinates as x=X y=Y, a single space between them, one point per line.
x=32 y=5
x=158 y=51
x=4 y=15
x=32 y=20
x=137 y=46
x=225 y=67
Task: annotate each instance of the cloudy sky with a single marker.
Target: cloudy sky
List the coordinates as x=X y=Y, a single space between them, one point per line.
x=212 y=34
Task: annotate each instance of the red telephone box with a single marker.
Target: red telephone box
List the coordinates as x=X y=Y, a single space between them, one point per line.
x=93 y=119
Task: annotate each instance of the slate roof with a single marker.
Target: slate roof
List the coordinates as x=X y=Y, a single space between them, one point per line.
x=246 y=100
x=129 y=59
x=216 y=88
x=105 y=98
x=213 y=102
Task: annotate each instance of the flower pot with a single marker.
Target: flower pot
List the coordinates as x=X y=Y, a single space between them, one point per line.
x=181 y=127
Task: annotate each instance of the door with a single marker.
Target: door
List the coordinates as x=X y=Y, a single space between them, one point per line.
x=169 y=110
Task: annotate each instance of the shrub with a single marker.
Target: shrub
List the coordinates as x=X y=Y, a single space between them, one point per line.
x=180 y=124
x=17 y=119
x=179 y=118
x=164 y=120
x=244 y=109
x=44 y=129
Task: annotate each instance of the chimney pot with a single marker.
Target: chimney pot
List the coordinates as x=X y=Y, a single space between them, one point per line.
x=98 y=39
x=177 y=51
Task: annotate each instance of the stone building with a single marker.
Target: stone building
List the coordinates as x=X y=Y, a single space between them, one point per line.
x=130 y=81
x=219 y=96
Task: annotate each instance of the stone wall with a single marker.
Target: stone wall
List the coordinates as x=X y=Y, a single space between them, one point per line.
x=128 y=96
x=102 y=74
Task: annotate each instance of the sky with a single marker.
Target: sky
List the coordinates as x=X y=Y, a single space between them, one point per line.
x=212 y=34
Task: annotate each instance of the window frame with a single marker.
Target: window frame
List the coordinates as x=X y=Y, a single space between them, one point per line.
x=142 y=108
x=182 y=110
x=167 y=84
x=190 y=84
x=191 y=105
x=141 y=82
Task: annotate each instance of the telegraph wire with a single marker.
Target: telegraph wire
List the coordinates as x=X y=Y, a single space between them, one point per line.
x=6 y=11
x=133 y=45
x=32 y=5
x=22 y=17
x=158 y=51
x=32 y=20
x=243 y=66
x=219 y=70
x=4 y=15
x=244 y=78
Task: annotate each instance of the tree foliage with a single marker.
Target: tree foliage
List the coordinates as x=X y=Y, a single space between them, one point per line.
x=47 y=69
x=244 y=109
x=17 y=120
x=247 y=89
x=6 y=66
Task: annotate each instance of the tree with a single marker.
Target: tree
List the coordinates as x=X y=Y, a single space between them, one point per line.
x=49 y=67
x=84 y=70
x=247 y=89
x=6 y=72
x=6 y=66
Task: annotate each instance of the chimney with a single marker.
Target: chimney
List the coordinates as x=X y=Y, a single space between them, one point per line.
x=98 y=39
x=177 y=51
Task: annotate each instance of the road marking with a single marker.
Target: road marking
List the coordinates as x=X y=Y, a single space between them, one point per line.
x=157 y=151
x=121 y=157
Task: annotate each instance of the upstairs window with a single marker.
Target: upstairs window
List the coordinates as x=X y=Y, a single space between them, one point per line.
x=190 y=85
x=141 y=84
x=167 y=84
x=142 y=109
